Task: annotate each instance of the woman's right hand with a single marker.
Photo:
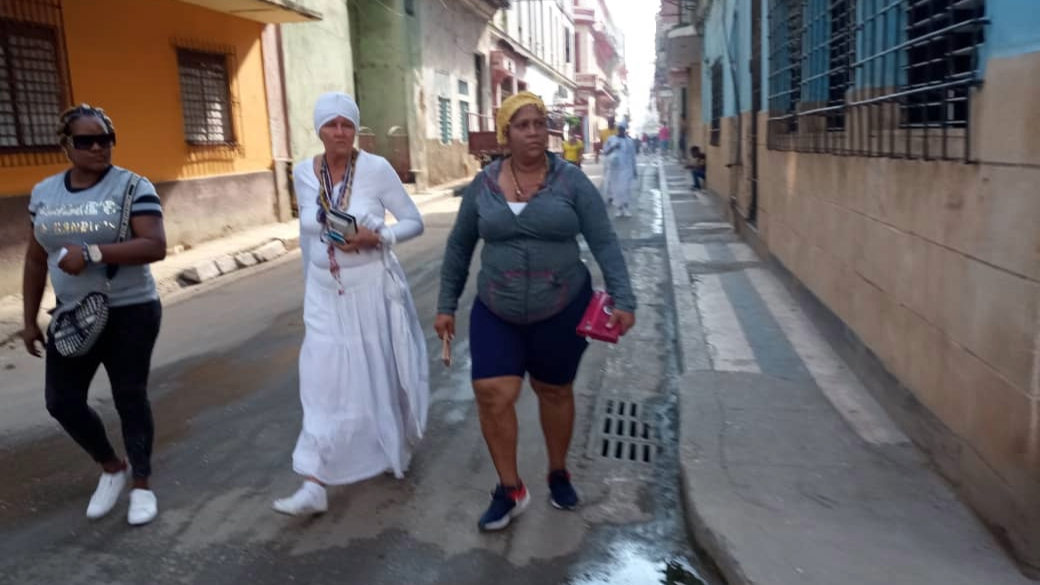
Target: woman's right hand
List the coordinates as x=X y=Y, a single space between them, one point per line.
x=445 y=326
x=33 y=339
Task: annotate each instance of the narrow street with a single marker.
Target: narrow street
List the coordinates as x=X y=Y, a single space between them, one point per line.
x=225 y=397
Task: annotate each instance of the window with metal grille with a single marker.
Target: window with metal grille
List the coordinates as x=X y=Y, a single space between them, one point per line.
x=205 y=97
x=717 y=94
x=785 y=65
x=464 y=120
x=941 y=60
x=33 y=86
x=444 y=114
x=841 y=56
x=874 y=77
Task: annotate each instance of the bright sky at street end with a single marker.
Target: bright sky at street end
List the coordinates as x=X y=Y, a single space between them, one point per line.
x=637 y=20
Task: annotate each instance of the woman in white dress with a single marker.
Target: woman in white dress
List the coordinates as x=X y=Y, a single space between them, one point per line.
x=621 y=171
x=364 y=378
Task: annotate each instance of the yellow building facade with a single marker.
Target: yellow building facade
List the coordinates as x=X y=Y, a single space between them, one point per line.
x=184 y=83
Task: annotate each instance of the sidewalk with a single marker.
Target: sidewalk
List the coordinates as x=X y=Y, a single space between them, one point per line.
x=213 y=261
x=792 y=473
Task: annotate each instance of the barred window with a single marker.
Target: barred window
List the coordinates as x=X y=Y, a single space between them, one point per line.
x=33 y=85
x=785 y=65
x=205 y=97
x=444 y=116
x=840 y=58
x=941 y=64
x=717 y=95
x=874 y=77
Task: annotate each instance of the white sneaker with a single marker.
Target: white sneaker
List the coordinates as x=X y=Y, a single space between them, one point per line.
x=309 y=499
x=143 y=507
x=109 y=488
x=619 y=213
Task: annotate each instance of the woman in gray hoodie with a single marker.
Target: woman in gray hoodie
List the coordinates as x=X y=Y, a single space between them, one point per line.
x=533 y=289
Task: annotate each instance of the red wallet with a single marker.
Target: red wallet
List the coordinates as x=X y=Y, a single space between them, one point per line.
x=594 y=323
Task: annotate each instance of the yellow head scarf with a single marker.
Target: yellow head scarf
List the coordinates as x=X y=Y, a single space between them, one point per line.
x=511 y=106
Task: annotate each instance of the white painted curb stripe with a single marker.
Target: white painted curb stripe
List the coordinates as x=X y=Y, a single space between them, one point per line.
x=727 y=344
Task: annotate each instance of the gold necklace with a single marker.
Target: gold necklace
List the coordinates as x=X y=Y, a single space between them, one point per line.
x=518 y=192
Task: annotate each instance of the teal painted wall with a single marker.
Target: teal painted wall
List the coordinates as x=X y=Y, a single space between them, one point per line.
x=727 y=37
x=1014 y=28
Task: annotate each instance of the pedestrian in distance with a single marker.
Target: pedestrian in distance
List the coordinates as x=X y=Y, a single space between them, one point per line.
x=698 y=166
x=532 y=291
x=664 y=136
x=364 y=375
x=621 y=171
x=574 y=148
x=95 y=229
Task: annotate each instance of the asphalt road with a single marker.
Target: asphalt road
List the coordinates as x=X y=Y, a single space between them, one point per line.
x=227 y=410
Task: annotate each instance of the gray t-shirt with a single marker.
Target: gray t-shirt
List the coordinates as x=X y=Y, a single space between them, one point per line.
x=62 y=216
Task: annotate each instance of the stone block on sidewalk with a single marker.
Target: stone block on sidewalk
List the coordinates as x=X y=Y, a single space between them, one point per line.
x=291 y=243
x=245 y=259
x=201 y=272
x=269 y=251
x=226 y=263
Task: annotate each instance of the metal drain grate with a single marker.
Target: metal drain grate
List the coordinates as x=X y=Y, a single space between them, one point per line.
x=624 y=433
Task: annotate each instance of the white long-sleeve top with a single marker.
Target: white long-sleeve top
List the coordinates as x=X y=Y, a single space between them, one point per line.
x=376 y=190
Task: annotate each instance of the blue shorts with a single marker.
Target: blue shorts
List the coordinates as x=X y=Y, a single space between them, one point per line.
x=550 y=350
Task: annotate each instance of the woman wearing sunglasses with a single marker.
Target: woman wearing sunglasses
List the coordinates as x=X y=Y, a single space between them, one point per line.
x=76 y=215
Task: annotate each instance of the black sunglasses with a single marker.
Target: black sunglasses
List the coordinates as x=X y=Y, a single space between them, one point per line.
x=87 y=141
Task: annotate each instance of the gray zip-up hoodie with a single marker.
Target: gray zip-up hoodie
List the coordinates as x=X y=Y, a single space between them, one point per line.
x=530 y=266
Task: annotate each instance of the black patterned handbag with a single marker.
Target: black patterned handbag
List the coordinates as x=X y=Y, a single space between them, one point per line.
x=76 y=328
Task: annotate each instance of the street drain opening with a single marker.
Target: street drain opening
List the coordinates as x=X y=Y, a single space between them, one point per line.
x=624 y=434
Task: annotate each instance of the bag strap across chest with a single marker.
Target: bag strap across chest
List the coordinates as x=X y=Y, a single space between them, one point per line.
x=124 y=218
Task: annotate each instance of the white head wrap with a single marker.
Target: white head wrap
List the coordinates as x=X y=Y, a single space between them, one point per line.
x=332 y=105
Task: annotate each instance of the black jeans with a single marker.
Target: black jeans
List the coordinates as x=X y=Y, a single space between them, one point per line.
x=125 y=349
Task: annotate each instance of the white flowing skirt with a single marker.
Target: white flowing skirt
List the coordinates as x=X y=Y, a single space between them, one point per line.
x=355 y=411
x=618 y=184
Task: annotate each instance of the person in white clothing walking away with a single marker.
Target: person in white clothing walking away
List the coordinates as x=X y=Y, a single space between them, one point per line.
x=621 y=171
x=364 y=375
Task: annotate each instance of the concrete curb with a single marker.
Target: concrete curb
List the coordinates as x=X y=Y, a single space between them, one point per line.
x=693 y=357
x=693 y=350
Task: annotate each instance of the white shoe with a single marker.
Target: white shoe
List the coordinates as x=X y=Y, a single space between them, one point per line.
x=627 y=212
x=143 y=507
x=619 y=213
x=309 y=499
x=109 y=488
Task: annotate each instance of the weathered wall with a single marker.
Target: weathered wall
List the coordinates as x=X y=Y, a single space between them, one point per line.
x=452 y=36
x=936 y=267
x=449 y=162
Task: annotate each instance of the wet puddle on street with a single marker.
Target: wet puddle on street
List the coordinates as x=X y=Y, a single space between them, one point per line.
x=638 y=565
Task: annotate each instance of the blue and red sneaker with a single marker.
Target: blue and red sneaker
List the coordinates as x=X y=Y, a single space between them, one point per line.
x=561 y=493
x=506 y=503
